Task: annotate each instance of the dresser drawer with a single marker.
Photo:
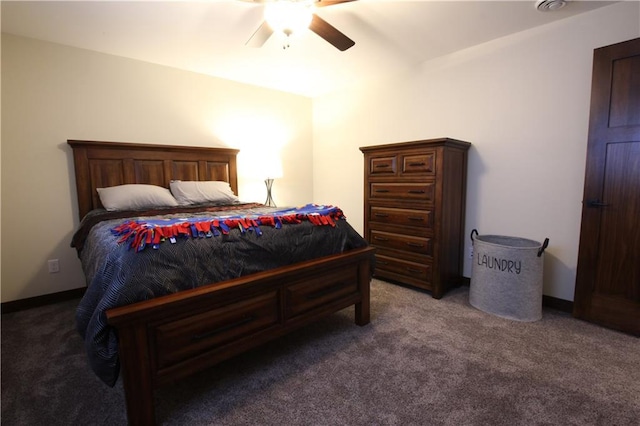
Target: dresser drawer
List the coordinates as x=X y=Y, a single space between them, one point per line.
x=417 y=271
x=407 y=217
x=215 y=328
x=423 y=191
x=419 y=245
x=383 y=165
x=423 y=163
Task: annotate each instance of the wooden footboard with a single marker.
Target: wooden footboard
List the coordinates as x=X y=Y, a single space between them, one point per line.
x=171 y=337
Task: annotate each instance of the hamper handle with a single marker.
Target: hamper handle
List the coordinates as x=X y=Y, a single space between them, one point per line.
x=544 y=246
x=475 y=231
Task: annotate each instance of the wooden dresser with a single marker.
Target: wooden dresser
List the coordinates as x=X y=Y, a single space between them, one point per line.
x=414 y=209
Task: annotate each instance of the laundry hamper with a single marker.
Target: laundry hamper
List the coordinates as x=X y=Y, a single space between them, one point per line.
x=506 y=276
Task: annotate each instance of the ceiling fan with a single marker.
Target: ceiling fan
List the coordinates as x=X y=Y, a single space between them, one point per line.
x=310 y=20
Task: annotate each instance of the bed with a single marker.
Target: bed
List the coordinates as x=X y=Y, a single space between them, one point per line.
x=161 y=338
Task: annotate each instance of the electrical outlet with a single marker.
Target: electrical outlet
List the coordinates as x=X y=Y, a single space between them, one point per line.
x=54 y=266
x=470 y=252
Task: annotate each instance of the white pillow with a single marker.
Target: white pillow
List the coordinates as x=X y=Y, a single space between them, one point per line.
x=198 y=192
x=135 y=197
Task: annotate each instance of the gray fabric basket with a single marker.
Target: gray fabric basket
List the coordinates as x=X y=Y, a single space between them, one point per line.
x=506 y=276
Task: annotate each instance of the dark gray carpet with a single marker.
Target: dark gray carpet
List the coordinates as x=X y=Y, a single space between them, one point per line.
x=420 y=362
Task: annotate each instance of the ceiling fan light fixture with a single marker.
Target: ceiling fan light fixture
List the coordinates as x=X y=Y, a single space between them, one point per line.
x=288 y=16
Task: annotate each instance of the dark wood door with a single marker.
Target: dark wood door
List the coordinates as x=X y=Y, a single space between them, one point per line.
x=608 y=276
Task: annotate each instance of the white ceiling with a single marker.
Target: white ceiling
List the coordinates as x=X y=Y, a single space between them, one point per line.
x=209 y=36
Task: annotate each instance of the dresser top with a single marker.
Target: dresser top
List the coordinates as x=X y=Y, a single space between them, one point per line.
x=420 y=144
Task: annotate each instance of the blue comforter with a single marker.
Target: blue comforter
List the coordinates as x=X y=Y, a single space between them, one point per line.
x=118 y=275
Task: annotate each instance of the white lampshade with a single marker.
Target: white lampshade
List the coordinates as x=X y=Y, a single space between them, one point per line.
x=271 y=167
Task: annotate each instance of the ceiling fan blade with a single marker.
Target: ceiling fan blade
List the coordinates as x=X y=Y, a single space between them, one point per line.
x=261 y=35
x=330 y=33
x=323 y=3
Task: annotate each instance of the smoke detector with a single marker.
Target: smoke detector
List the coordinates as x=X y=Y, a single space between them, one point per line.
x=550 y=5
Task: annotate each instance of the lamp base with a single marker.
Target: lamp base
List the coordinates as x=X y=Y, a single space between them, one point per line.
x=269 y=184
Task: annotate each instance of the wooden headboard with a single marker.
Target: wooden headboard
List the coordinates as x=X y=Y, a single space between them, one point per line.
x=103 y=164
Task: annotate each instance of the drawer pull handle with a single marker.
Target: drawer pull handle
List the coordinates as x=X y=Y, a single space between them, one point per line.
x=223 y=328
x=416 y=164
x=416 y=191
x=325 y=291
x=414 y=218
x=380 y=238
x=379 y=166
x=381 y=215
x=415 y=245
x=414 y=270
x=382 y=190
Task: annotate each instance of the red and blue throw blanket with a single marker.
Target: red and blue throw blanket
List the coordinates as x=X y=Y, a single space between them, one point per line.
x=139 y=234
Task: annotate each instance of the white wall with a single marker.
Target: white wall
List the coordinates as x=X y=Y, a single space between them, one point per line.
x=522 y=101
x=51 y=93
